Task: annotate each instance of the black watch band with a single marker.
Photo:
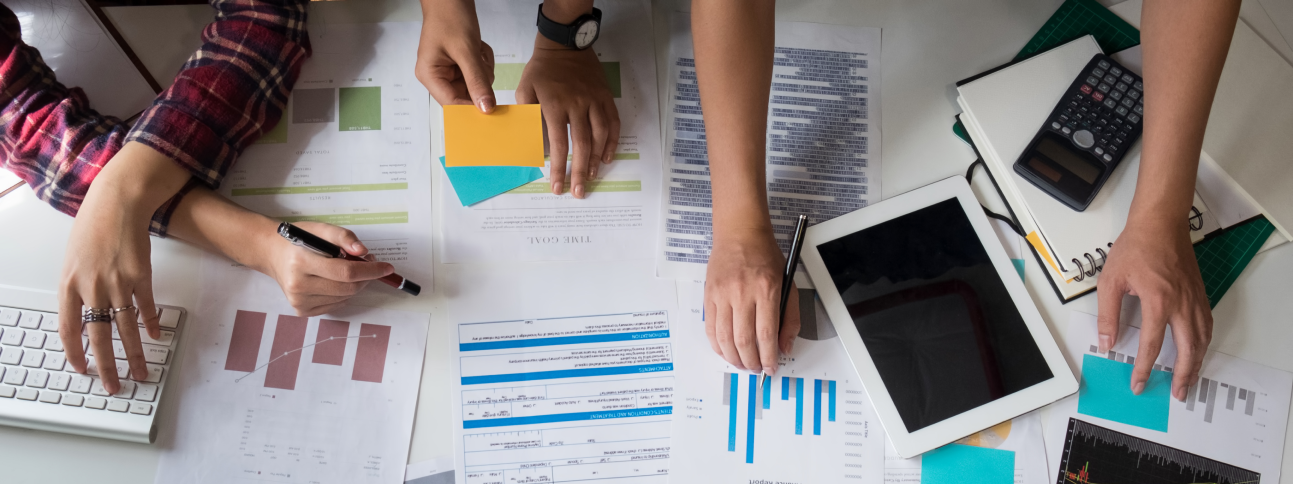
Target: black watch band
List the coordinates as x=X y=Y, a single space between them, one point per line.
x=569 y=35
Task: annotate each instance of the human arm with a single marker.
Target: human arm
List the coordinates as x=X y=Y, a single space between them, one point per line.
x=734 y=49
x=1184 y=45
x=453 y=63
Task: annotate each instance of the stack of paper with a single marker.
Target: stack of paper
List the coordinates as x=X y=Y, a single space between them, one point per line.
x=489 y=154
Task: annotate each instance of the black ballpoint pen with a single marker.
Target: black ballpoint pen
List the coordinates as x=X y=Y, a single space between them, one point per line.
x=300 y=237
x=792 y=265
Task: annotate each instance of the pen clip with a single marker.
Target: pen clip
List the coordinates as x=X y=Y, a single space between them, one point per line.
x=285 y=230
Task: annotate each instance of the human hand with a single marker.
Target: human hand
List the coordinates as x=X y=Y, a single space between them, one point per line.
x=453 y=63
x=1156 y=262
x=571 y=87
x=314 y=284
x=742 y=300
x=108 y=262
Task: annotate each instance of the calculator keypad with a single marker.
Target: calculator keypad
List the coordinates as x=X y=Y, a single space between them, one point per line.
x=1103 y=114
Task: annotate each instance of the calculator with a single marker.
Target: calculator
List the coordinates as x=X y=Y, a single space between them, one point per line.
x=1088 y=133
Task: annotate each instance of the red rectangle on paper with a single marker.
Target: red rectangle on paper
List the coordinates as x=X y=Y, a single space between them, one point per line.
x=370 y=357
x=330 y=351
x=244 y=344
x=289 y=337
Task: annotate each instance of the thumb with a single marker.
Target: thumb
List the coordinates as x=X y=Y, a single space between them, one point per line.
x=477 y=76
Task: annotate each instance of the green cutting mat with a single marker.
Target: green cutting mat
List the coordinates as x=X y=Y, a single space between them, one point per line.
x=1076 y=18
x=1223 y=257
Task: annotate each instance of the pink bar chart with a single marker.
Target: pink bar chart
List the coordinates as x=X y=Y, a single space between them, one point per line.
x=370 y=358
x=328 y=347
x=289 y=337
x=248 y=327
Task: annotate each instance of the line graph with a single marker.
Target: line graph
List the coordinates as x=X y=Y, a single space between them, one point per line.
x=334 y=338
x=288 y=344
x=1097 y=455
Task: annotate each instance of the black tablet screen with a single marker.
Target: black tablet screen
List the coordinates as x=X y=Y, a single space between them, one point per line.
x=933 y=313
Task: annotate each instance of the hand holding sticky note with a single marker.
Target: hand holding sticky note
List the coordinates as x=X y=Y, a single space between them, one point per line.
x=511 y=136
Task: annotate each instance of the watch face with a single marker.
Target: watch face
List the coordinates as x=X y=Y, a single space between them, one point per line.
x=587 y=34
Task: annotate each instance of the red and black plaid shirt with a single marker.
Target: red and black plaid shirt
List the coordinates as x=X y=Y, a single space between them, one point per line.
x=229 y=93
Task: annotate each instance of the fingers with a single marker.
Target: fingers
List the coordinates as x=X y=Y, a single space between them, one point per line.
x=1110 y=294
x=439 y=82
x=147 y=312
x=478 y=78
x=129 y=331
x=601 y=130
x=1192 y=340
x=344 y=238
x=613 y=134
x=581 y=133
x=100 y=335
x=709 y=329
x=745 y=336
x=1151 y=342
x=558 y=147
x=791 y=324
x=723 y=333
x=766 y=333
x=348 y=270
x=69 y=328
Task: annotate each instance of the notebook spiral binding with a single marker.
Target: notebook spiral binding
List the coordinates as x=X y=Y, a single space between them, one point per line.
x=1196 y=224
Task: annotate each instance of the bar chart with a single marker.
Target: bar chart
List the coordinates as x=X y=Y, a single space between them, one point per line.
x=1207 y=394
x=282 y=363
x=1094 y=454
x=822 y=396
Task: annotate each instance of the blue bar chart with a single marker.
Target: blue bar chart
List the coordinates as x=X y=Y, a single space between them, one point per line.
x=821 y=398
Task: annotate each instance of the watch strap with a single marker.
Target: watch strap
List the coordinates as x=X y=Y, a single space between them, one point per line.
x=562 y=33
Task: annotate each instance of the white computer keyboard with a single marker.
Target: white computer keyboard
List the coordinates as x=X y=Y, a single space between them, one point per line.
x=39 y=390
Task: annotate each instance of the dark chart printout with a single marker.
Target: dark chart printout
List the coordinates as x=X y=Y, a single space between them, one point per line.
x=1096 y=455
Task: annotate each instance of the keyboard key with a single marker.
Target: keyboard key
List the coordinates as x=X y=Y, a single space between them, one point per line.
x=118 y=405
x=15 y=376
x=34 y=339
x=97 y=388
x=59 y=381
x=54 y=361
x=37 y=378
x=54 y=343
x=29 y=320
x=27 y=394
x=81 y=384
x=170 y=318
x=50 y=397
x=7 y=392
x=95 y=403
x=156 y=354
x=141 y=408
x=49 y=322
x=167 y=338
x=12 y=336
x=73 y=400
x=127 y=390
x=123 y=369
x=11 y=356
x=146 y=392
x=33 y=359
x=9 y=317
x=154 y=373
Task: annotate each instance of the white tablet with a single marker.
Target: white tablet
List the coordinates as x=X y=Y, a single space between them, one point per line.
x=934 y=316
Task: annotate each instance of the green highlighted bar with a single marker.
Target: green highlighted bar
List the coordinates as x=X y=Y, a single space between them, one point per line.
x=277 y=135
x=370 y=187
x=353 y=218
x=618 y=156
x=590 y=187
x=507 y=76
x=361 y=109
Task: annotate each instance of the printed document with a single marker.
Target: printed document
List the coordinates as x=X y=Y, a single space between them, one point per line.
x=823 y=154
x=353 y=147
x=618 y=218
x=565 y=382
x=1230 y=428
x=811 y=422
x=266 y=396
x=1021 y=435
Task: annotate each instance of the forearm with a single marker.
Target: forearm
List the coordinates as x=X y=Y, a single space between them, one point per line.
x=1185 y=44
x=212 y=222
x=734 y=48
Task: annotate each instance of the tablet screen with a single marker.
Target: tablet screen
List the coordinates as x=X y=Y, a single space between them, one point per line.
x=933 y=313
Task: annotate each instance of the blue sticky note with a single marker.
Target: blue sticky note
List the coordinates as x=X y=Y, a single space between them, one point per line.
x=1019 y=266
x=958 y=464
x=1105 y=392
x=474 y=184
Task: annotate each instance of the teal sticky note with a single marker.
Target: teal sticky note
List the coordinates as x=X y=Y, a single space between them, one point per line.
x=1019 y=266
x=1105 y=392
x=958 y=464
x=474 y=184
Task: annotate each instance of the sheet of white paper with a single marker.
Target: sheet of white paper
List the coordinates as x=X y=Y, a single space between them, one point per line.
x=1235 y=415
x=1022 y=435
x=618 y=217
x=823 y=137
x=83 y=55
x=812 y=422
x=265 y=396
x=563 y=382
x=431 y=471
x=352 y=149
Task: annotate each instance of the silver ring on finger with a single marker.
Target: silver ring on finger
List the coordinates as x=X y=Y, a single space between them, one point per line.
x=115 y=311
x=93 y=315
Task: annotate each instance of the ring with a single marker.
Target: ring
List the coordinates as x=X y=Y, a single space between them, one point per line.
x=118 y=310
x=92 y=315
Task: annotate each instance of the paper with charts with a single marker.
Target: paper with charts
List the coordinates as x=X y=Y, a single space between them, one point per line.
x=352 y=148
x=266 y=396
x=812 y=423
x=618 y=218
x=552 y=398
x=1230 y=429
x=1021 y=435
x=823 y=137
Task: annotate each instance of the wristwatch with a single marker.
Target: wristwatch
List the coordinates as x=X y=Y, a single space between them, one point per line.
x=579 y=35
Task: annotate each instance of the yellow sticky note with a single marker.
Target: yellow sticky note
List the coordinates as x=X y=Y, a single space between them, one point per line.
x=510 y=136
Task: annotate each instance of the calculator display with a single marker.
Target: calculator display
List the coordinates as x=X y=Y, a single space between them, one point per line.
x=1068 y=159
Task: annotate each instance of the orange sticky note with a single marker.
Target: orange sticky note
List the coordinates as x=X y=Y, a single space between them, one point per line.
x=510 y=136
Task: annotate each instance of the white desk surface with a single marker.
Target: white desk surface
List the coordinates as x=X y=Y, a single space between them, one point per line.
x=927 y=47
